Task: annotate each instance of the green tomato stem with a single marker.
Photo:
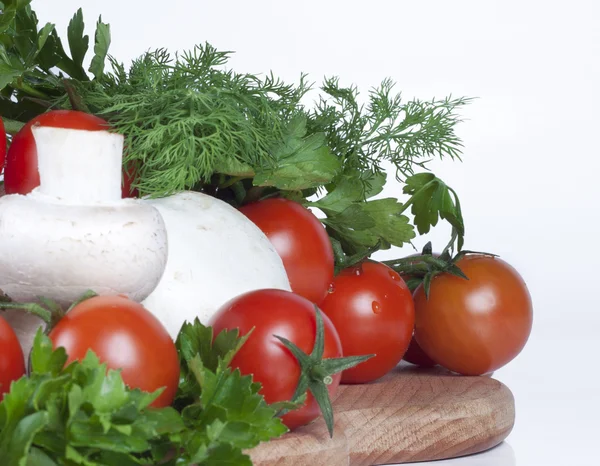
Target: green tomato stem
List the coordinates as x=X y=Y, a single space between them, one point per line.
x=31 y=308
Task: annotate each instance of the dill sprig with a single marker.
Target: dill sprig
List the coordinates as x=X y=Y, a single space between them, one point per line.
x=407 y=134
x=186 y=118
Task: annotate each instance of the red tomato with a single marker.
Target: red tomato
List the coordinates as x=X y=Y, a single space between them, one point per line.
x=478 y=325
x=125 y=336
x=372 y=309
x=277 y=312
x=12 y=361
x=2 y=145
x=301 y=241
x=415 y=355
x=21 y=174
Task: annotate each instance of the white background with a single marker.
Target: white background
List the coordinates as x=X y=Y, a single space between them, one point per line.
x=529 y=179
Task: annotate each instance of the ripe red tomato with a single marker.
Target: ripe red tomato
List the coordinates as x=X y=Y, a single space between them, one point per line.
x=301 y=241
x=282 y=313
x=415 y=355
x=21 y=174
x=478 y=325
x=2 y=145
x=12 y=361
x=125 y=336
x=372 y=309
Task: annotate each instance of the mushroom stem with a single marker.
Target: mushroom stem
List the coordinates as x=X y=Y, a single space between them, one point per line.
x=79 y=166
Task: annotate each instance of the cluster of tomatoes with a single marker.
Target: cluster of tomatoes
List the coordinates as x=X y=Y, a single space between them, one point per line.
x=471 y=327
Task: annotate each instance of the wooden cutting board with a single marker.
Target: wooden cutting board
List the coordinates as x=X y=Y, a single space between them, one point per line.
x=410 y=415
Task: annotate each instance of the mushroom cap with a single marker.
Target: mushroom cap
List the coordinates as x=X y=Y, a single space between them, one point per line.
x=215 y=254
x=59 y=251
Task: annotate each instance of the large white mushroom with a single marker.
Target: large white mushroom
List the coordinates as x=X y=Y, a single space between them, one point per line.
x=215 y=254
x=74 y=232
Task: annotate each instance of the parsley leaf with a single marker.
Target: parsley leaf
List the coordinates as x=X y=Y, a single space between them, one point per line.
x=432 y=199
x=78 y=42
x=80 y=414
x=301 y=161
x=100 y=48
x=359 y=224
x=222 y=409
x=83 y=414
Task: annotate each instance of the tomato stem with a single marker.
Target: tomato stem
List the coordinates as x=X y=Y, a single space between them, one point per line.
x=316 y=372
x=412 y=264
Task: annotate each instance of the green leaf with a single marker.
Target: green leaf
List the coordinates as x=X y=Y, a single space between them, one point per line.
x=432 y=199
x=391 y=226
x=196 y=340
x=387 y=225
x=43 y=358
x=43 y=35
x=347 y=191
x=7 y=17
x=37 y=457
x=417 y=181
x=355 y=216
x=361 y=226
x=78 y=43
x=301 y=162
x=375 y=184
x=219 y=406
x=16 y=4
x=49 y=55
x=81 y=413
x=221 y=454
x=25 y=39
x=283 y=407
x=231 y=402
x=8 y=75
x=101 y=45
x=22 y=438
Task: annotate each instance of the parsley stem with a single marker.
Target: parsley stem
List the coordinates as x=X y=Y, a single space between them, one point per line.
x=411 y=200
x=23 y=86
x=31 y=308
x=231 y=181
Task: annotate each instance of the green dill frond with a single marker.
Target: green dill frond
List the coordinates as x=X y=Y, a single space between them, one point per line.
x=407 y=134
x=186 y=118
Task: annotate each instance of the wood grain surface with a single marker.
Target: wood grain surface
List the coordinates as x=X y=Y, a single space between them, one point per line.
x=409 y=415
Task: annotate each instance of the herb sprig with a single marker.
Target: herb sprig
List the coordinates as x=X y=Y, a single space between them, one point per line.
x=192 y=123
x=83 y=414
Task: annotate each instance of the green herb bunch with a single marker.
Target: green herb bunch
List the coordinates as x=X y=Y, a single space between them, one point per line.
x=193 y=124
x=83 y=414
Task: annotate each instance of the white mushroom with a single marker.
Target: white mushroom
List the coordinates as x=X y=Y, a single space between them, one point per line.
x=215 y=254
x=74 y=232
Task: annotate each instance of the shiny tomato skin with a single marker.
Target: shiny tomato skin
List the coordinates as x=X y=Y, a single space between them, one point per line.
x=12 y=361
x=372 y=309
x=300 y=240
x=126 y=336
x=282 y=313
x=2 y=145
x=415 y=355
x=21 y=174
x=474 y=326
